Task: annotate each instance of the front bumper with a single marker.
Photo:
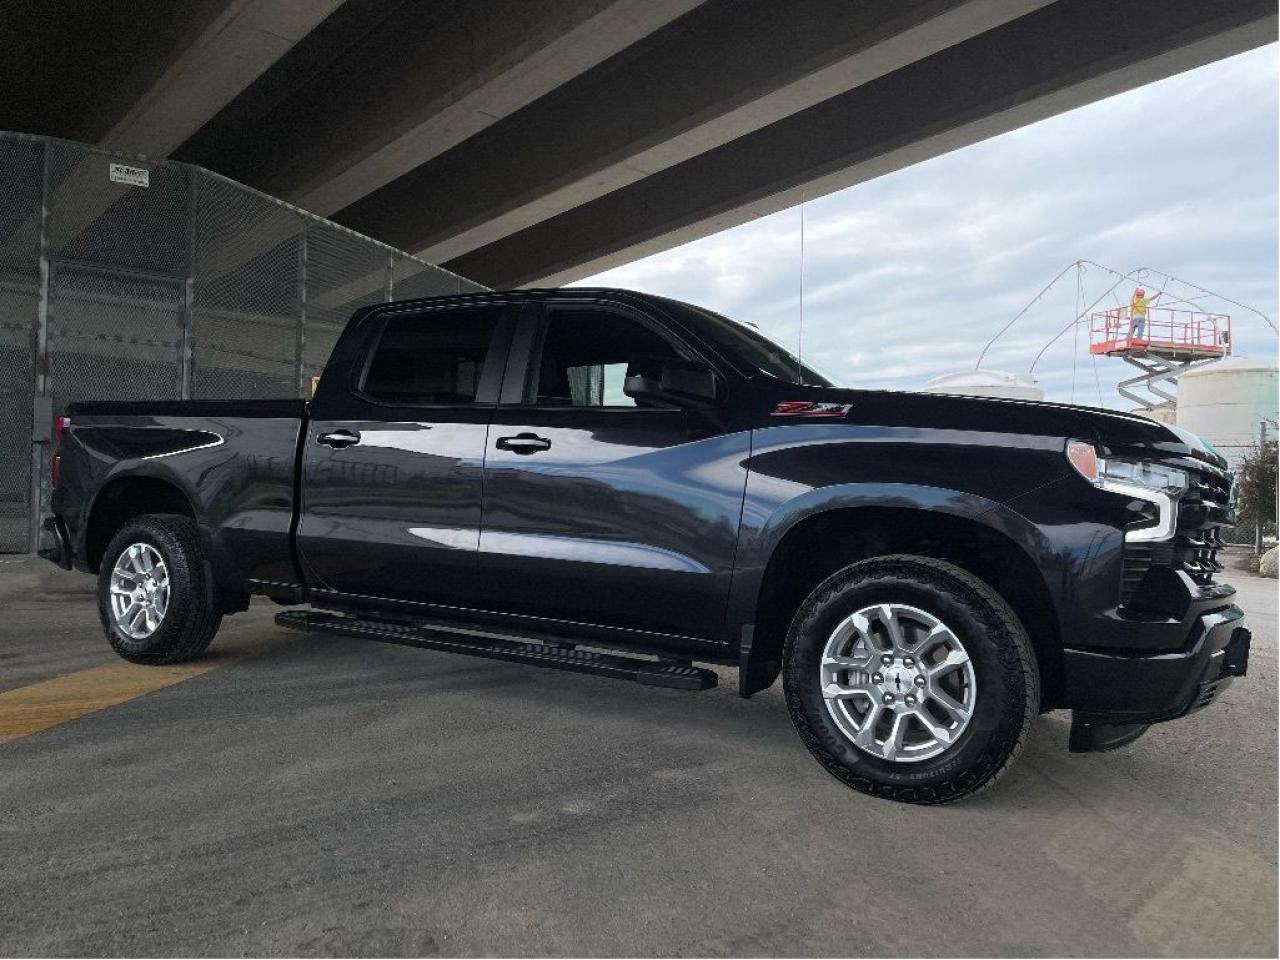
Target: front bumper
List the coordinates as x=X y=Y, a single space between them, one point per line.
x=1115 y=695
x=55 y=544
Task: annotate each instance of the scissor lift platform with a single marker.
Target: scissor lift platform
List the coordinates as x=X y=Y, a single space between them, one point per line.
x=1178 y=335
x=1163 y=345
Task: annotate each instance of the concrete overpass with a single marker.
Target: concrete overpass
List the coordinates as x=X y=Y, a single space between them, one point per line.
x=538 y=142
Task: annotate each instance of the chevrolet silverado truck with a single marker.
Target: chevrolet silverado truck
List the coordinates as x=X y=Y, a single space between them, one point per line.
x=628 y=486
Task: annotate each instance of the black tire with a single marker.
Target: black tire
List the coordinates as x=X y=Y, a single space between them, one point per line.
x=1007 y=694
x=192 y=616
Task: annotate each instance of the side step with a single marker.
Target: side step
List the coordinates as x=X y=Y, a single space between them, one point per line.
x=656 y=673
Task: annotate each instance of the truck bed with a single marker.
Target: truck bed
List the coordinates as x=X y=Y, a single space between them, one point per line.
x=233 y=461
x=284 y=408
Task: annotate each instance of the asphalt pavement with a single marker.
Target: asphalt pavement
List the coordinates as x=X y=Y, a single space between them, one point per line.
x=313 y=795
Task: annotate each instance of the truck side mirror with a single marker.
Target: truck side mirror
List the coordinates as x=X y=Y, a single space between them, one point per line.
x=672 y=382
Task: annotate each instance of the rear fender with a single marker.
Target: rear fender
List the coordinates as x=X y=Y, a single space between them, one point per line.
x=237 y=475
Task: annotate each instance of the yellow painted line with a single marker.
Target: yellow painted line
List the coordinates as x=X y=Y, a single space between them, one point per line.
x=39 y=706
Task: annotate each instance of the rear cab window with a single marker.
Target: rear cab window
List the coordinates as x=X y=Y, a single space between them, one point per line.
x=436 y=357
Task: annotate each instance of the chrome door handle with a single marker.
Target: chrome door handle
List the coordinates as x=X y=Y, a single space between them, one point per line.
x=339 y=438
x=524 y=443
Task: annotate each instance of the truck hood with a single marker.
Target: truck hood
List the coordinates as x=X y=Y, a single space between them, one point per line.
x=1115 y=432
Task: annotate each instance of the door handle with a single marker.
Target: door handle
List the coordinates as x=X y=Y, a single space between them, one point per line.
x=339 y=438
x=524 y=443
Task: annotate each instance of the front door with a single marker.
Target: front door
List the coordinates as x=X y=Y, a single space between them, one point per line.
x=600 y=511
x=392 y=465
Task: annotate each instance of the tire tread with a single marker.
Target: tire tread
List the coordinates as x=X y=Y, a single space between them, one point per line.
x=193 y=613
x=984 y=603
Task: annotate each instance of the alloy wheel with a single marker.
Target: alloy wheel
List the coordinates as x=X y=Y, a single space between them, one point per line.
x=139 y=591
x=898 y=682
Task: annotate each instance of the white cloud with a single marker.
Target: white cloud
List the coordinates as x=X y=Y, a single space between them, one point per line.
x=908 y=276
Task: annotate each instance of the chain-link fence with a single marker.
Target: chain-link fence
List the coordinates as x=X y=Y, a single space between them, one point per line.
x=135 y=279
x=1246 y=533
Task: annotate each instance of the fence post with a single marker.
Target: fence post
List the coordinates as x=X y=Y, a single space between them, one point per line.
x=189 y=290
x=41 y=365
x=1258 y=522
x=301 y=338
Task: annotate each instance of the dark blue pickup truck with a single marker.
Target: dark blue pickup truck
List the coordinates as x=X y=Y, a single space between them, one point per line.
x=624 y=485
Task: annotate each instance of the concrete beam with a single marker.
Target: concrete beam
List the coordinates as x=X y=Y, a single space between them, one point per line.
x=424 y=80
x=246 y=38
x=72 y=70
x=719 y=73
x=236 y=45
x=1061 y=57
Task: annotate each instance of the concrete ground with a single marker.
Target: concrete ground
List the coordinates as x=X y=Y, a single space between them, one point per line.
x=318 y=796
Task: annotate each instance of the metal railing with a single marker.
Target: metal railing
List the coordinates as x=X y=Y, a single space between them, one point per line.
x=1177 y=331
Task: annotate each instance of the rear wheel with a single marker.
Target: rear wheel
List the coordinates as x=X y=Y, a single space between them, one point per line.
x=155 y=600
x=910 y=679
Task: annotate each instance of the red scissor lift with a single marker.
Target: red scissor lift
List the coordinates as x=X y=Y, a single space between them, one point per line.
x=1164 y=345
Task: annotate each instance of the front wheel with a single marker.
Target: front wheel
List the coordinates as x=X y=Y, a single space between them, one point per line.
x=910 y=679
x=154 y=597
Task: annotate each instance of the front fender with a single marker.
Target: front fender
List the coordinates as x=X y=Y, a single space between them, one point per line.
x=1056 y=553
x=758 y=540
x=958 y=503
x=798 y=471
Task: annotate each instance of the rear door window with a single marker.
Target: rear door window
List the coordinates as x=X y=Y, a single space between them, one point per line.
x=434 y=357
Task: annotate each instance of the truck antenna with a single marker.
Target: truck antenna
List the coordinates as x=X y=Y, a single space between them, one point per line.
x=800 y=335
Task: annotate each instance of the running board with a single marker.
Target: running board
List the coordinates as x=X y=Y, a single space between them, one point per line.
x=655 y=673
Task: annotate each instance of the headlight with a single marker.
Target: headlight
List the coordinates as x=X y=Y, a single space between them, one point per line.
x=1141 y=479
x=1141 y=473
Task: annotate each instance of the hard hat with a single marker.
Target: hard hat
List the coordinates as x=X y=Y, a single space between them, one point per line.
x=1140 y=292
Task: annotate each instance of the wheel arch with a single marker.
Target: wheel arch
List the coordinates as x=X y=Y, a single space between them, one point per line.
x=120 y=500
x=989 y=541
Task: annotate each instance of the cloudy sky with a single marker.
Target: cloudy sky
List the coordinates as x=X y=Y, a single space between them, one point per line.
x=907 y=276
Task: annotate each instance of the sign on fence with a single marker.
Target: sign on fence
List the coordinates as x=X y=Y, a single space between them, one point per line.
x=133 y=176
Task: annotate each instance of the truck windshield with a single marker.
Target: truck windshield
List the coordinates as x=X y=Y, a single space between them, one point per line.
x=755 y=348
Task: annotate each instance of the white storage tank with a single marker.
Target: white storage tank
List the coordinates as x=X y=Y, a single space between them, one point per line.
x=987 y=383
x=1167 y=415
x=1223 y=402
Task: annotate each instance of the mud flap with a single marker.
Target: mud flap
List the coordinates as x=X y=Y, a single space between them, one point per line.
x=755 y=673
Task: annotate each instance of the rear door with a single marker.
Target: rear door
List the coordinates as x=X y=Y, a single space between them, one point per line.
x=598 y=510
x=392 y=464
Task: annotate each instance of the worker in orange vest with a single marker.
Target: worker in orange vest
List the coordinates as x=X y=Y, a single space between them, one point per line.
x=1138 y=313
